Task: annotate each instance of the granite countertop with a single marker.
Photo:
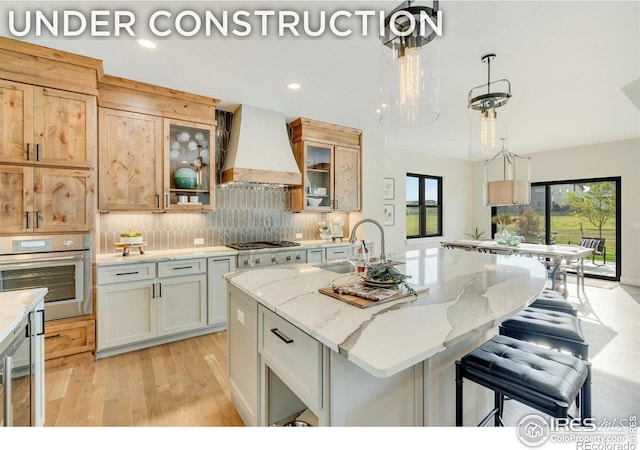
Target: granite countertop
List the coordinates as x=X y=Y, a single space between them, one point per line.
x=469 y=292
x=15 y=305
x=107 y=259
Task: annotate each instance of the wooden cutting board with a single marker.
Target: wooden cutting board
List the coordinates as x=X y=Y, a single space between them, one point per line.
x=361 y=302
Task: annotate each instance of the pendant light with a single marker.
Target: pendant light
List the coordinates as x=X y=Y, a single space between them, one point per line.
x=487 y=124
x=409 y=71
x=506 y=182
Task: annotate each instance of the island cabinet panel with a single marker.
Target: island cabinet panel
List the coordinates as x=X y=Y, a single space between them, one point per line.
x=130 y=173
x=242 y=339
x=293 y=355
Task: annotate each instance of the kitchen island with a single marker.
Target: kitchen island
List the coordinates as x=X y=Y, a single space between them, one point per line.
x=292 y=348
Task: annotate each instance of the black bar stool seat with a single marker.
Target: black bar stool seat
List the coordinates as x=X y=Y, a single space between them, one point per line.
x=551 y=328
x=554 y=301
x=541 y=378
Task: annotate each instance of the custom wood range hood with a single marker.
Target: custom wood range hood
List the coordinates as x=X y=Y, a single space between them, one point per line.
x=259 y=149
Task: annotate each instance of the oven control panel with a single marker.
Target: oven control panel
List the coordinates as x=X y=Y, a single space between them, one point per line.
x=273 y=258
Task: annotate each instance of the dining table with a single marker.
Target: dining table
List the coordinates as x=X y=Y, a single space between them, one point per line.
x=553 y=255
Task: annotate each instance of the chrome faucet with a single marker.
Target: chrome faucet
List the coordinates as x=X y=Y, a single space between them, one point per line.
x=352 y=239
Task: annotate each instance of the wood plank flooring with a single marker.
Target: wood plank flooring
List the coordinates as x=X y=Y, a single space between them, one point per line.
x=178 y=384
x=184 y=383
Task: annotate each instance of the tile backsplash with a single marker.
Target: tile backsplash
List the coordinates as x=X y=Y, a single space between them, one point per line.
x=243 y=214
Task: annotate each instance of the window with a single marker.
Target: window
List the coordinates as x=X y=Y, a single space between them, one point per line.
x=424 y=206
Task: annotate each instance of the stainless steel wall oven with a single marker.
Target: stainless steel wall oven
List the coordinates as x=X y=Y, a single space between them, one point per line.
x=61 y=263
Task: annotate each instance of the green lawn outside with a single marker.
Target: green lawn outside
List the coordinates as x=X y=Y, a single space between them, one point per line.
x=566 y=224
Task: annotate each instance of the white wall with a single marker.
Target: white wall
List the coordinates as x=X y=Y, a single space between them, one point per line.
x=621 y=158
x=457 y=206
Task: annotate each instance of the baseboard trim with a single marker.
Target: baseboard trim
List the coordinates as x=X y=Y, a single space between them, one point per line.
x=163 y=340
x=631 y=281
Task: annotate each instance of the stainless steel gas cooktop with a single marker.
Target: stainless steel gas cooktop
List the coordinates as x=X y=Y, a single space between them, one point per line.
x=262 y=244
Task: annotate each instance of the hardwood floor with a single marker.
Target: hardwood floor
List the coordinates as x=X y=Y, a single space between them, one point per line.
x=184 y=383
x=178 y=384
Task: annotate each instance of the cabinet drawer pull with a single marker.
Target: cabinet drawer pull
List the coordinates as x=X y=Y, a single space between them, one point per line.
x=28 y=152
x=127 y=273
x=37 y=152
x=183 y=267
x=281 y=335
x=53 y=336
x=37 y=214
x=27 y=217
x=153 y=290
x=158 y=200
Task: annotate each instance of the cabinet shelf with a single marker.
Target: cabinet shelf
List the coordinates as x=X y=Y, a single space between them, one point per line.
x=318 y=170
x=206 y=191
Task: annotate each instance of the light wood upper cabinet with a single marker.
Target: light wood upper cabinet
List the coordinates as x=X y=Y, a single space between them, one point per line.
x=16 y=198
x=147 y=133
x=43 y=126
x=45 y=199
x=63 y=200
x=347 y=178
x=130 y=172
x=329 y=157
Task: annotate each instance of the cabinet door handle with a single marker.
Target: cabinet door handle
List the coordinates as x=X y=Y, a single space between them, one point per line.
x=166 y=200
x=28 y=152
x=127 y=273
x=37 y=214
x=183 y=267
x=335 y=202
x=27 y=219
x=153 y=290
x=158 y=200
x=281 y=335
x=160 y=288
x=37 y=152
x=41 y=323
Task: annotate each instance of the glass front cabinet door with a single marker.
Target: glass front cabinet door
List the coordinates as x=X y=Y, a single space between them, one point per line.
x=318 y=177
x=189 y=166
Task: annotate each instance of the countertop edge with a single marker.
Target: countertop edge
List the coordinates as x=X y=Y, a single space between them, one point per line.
x=24 y=301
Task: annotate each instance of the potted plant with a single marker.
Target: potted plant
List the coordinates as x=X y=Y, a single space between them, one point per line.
x=131 y=236
x=476 y=235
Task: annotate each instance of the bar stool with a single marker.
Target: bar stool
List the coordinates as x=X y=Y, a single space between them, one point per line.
x=553 y=301
x=544 y=379
x=554 y=329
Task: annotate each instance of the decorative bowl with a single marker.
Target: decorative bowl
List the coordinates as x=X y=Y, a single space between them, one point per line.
x=314 y=201
x=185 y=178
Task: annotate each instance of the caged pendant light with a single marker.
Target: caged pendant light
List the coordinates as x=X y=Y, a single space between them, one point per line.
x=409 y=71
x=509 y=183
x=487 y=125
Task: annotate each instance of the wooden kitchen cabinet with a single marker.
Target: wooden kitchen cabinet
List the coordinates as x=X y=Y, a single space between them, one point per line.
x=45 y=199
x=148 y=132
x=69 y=342
x=130 y=173
x=329 y=157
x=43 y=126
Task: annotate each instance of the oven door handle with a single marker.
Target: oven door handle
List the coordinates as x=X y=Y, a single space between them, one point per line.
x=43 y=260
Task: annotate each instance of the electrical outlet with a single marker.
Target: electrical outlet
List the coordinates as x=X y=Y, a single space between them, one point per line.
x=298 y=235
x=198 y=241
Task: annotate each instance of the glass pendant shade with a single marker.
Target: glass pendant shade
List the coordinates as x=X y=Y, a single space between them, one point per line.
x=409 y=73
x=507 y=179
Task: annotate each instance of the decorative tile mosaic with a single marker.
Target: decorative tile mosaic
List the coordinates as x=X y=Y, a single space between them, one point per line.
x=243 y=214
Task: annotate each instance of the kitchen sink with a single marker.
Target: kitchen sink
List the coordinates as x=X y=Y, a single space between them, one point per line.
x=337 y=266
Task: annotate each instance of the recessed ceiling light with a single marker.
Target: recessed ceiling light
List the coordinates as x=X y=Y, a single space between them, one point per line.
x=293 y=86
x=146 y=43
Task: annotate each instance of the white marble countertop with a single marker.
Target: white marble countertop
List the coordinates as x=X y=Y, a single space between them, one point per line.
x=15 y=305
x=115 y=257
x=469 y=292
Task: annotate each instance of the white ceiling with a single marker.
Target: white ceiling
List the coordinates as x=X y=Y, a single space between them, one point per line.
x=567 y=62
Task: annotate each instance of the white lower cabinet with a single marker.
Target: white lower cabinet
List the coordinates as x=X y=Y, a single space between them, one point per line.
x=140 y=302
x=217 y=301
